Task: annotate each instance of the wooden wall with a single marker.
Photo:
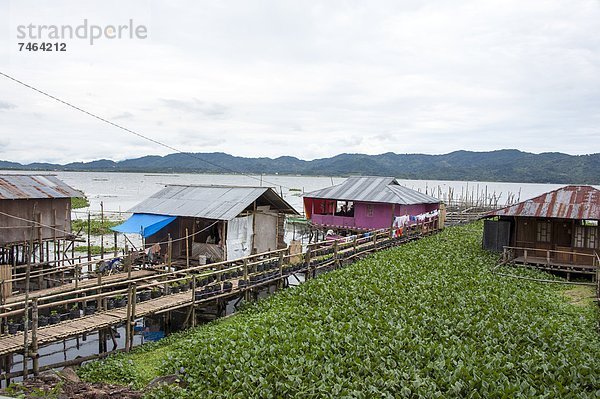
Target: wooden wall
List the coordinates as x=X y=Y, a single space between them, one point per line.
x=561 y=237
x=54 y=212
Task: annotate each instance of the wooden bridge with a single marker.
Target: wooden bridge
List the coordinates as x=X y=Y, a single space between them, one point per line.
x=109 y=301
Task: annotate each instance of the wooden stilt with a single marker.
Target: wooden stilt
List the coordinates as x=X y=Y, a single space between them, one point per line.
x=128 y=320
x=194 y=300
x=34 y=342
x=187 y=248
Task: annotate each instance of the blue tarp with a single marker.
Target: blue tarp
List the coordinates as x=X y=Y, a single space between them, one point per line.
x=144 y=224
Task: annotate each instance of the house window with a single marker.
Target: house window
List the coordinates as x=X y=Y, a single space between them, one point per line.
x=592 y=237
x=544 y=231
x=586 y=237
x=370 y=210
x=579 y=236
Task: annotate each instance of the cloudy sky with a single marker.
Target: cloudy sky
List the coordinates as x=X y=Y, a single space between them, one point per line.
x=305 y=78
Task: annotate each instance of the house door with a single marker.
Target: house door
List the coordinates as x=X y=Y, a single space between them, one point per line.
x=562 y=241
x=562 y=234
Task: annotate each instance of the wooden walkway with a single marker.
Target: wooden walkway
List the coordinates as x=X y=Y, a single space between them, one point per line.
x=240 y=278
x=97 y=321
x=92 y=282
x=87 y=324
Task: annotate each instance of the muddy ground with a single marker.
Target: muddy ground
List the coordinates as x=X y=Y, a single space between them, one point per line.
x=66 y=385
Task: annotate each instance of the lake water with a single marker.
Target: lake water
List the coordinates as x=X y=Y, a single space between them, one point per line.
x=120 y=191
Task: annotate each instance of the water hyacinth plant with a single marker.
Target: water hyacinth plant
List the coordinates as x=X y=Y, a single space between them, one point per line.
x=427 y=319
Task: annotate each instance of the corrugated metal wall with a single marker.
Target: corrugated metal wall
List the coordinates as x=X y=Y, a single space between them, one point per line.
x=496 y=235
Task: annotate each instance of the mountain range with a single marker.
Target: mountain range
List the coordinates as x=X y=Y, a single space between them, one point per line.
x=500 y=165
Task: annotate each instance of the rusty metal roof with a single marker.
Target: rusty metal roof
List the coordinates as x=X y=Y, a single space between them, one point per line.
x=569 y=202
x=209 y=201
x=373 y=189
x=35 y=186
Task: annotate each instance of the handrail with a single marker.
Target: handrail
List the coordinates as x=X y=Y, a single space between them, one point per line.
x=549 y=250
x=322 y=248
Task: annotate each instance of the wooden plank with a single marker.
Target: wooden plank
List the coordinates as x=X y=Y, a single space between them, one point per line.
x=6 y=274
x=82 y=284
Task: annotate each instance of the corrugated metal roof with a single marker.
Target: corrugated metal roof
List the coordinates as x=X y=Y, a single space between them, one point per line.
x=209 y=201
x=35 y=186
x=373 y=189
x=569 y=202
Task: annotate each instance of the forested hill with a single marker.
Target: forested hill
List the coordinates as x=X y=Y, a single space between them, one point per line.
x=501 y=165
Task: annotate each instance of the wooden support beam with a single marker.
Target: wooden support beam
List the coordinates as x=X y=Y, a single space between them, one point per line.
x=127 y=320
x=187 y=248
x=35 y=356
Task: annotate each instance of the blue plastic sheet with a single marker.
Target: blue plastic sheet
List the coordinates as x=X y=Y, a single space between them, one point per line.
x=144 y=224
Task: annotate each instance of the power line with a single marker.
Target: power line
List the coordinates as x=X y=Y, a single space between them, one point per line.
x=132 y=131
x=38 y=224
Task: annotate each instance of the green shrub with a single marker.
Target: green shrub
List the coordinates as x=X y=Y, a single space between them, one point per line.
x=79 y=202
x=97 y=227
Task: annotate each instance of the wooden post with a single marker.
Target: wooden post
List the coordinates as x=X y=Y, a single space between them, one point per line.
x=128 y=320
x=252 y=249
x=41 y=248
x=102 y=230
x=54 y=236
x=280 y=264
x=39 y=236
x=34 y=342
x=132 y=321
x=116 y=247
x=89 y=230
x=336 y=262
x=26 y=310
x=128 y=262
x=194 y=301
x=598 y=281
x=170 y=250
x=246 y=290
x=187 y=249
x=307 y=259
x=76 y=273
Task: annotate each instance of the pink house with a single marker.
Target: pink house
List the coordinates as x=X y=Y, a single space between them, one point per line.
x=366 y=203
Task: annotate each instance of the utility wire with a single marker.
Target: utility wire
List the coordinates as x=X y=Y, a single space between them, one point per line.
x=38 y=224
x=68 y=104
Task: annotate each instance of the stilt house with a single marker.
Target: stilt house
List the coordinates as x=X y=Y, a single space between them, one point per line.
x=221 y=222
x=558 y=229
x=33 y=208
x=366 y=203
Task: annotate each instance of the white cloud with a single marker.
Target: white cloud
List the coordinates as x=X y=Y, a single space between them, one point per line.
x=308 y=79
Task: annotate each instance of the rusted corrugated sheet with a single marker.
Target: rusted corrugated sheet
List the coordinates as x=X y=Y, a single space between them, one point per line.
x=569 y=202
x=35 y=186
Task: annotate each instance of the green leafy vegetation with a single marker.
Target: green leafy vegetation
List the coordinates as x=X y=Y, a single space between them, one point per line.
x=97 y=227
x=96 y=249
x=427 y=319
x=18 y=390
x=79 y=202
